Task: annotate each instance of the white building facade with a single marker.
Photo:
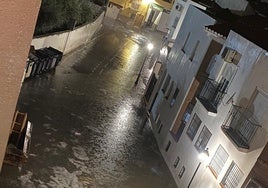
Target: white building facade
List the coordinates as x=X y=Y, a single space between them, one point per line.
x=237 y=134
x=212 y=95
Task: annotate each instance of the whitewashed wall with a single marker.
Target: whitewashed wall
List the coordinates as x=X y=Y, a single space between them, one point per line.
x=162 y=22
x=69 y=40
x=182 y=72
x=251 y=74
x=179 y=67
x=112 y=11
x=180 y=13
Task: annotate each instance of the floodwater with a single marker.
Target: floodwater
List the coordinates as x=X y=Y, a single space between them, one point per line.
x=87 y=118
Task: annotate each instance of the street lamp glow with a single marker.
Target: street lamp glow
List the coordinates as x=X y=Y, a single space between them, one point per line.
x=203 y=155
x=150 y=46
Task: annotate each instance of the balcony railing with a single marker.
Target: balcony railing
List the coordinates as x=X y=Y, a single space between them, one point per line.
x=211 y=95
x=240 y=126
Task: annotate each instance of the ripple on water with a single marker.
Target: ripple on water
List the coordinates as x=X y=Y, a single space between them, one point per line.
x=80 y=153
x=64 y=178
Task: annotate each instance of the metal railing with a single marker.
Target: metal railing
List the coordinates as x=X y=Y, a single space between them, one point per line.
x=240 y=126
x=213 y=92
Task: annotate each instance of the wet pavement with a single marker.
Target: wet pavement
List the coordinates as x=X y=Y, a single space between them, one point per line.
x=87 y=118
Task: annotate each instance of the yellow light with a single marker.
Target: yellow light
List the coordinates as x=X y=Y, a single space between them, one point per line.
x=147 y=1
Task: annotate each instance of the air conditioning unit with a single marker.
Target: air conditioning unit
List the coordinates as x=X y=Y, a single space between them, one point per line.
x=253 y=184
x=228 y=55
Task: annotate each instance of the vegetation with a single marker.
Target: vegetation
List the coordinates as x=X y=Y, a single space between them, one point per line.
x=59 y=15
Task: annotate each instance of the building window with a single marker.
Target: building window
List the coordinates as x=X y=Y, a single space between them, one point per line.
x=176 y=162
x=185 y=42
x=175 y=23
x=186 y=117
x=159 y=124
x=166 y=83
x=218 y=161
x=181 y=172
x=168 y=145
x=194 y=50
x=169 y=90
x=174 y=97
x=193 y=127
x=232 y=176
x=202 y=140
x=150 y=87
x=160 y=127
x=157 y=117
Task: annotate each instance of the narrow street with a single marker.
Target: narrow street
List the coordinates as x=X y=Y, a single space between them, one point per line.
x=87 y=117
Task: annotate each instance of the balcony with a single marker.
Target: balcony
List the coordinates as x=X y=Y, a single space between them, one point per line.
x=212 y=94
x=240 y=127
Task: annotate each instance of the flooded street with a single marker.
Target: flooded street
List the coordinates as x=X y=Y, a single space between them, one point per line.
x=87 y=118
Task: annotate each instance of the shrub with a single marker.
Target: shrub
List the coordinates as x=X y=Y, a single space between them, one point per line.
x=60 y=15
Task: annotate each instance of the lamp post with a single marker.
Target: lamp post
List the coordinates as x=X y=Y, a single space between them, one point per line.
x=202 y=156
x=72 y=27
x=150 y=46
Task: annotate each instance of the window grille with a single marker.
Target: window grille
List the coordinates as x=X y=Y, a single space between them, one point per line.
x=218 y=161
x=232 y=176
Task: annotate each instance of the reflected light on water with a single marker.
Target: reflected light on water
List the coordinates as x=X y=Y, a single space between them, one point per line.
x=120 y=127
x=127 y=58
x=122 y=120
x=130 y=55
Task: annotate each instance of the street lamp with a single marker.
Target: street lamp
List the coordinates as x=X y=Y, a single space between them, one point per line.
x=150 y=46
x=202 y=156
